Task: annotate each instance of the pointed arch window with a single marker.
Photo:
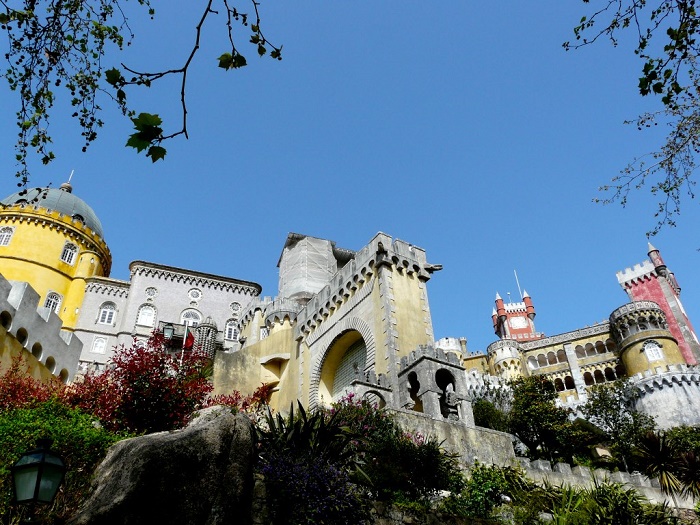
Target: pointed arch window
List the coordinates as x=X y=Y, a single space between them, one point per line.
x=146 y=315
x=191 y=318
x=53 y=301
x=69 y=253
x=6 y=235
x=107 y=313
x=231 y=332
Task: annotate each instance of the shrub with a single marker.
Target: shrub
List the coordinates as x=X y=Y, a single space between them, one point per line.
x=304 y=488
x=307 y=461
x=483 y=492
x=75 y=437
x=18 y=389
x=144 y=389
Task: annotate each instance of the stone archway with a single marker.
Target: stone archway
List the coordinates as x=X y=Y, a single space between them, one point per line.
x=325 y=365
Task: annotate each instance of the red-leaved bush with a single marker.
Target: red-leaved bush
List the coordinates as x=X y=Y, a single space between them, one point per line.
x=19 y=390
x=144 y=389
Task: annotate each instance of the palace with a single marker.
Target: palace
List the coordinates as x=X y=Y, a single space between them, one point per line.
x=342 y=321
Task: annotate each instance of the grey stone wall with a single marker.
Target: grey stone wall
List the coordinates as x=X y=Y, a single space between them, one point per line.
x=470 y=443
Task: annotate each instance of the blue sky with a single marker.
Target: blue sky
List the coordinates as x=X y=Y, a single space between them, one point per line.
x=461 y=127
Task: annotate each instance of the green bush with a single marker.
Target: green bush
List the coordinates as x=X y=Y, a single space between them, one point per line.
x=483 y=492
x=81 y=444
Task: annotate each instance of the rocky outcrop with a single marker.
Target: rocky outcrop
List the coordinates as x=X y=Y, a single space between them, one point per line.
x=200 y=475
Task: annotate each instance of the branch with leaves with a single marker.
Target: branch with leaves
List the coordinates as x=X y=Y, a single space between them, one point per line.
x=65 y=43
x=670 y=70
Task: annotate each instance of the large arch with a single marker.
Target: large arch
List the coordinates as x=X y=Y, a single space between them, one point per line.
x=340 y=338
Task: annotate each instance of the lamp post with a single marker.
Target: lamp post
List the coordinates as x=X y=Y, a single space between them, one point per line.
x=37 y=475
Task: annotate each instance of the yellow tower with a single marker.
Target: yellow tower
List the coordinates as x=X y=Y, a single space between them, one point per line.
x=53 y=240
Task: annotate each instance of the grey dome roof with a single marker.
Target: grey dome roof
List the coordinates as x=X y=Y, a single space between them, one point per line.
x=60 y=200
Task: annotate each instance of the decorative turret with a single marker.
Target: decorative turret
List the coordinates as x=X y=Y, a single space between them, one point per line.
x=505 y=359
x=205 y=337
x=643 y=338
x=528 y=306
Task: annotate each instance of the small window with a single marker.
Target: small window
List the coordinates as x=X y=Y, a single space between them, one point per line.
x=70 y=250
x=146 y=315
x=6 y=235
x=235 y=307
x=190 y=318
x=99 y=345
x=231 y=332
x=53 y=301
x=107 y=313
x=195 y=294
x=264 y=332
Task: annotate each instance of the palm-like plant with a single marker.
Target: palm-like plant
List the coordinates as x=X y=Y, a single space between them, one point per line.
x=659 y=459
x=689 y=474
x=318 y=434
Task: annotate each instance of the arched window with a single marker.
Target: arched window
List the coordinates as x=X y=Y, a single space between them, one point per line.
x=70 y=250
x=99 y=345
x=107 y=313
x=190 y=318
x=6 y=235
x=53 y=301
x=146 y=315
x=231 y=332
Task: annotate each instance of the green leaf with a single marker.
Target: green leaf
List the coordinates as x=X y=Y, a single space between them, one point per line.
x=114 y=76
x=226 y=61
x=156 y=153
x=137 y=142
x=239 y=61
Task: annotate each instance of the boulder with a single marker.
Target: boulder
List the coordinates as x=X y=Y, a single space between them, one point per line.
x=202 y=474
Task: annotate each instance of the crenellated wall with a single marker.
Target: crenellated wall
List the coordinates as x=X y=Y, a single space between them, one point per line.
x=38 y=331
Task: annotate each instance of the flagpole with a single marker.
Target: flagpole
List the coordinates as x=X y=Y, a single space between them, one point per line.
x=184 y=342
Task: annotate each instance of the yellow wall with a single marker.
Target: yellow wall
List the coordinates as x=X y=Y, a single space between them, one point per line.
x=34 y=256
x=10 y=348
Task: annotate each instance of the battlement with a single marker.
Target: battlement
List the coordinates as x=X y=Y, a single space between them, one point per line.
x=515 y=307
x=638 y=271
x=38 y=329
x=664 y=377
x=428 y=352
x=382 y=250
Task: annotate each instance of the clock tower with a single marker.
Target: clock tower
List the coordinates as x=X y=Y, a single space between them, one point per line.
x=515 y=320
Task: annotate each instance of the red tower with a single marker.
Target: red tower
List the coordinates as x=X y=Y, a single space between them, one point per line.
x=651 y=281
x=515 y=320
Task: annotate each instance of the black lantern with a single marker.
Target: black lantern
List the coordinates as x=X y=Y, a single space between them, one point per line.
x=37 y=475
x=168 y=332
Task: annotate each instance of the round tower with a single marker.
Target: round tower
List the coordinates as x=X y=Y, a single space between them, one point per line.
x=52 y=240
x=643 y=338
x=505 y=359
